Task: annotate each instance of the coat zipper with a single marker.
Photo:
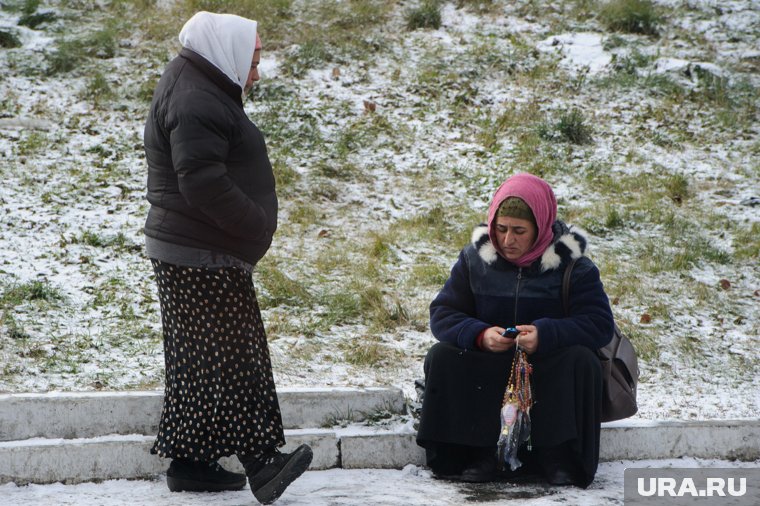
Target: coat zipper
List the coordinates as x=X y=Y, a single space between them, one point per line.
x=517 y=292
x=517 y=297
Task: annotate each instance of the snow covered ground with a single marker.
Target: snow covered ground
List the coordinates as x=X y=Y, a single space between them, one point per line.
x=454 y=107
x=410 y=486
x=456 y=112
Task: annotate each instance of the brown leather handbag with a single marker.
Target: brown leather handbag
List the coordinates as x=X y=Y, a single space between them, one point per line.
x=620 y=367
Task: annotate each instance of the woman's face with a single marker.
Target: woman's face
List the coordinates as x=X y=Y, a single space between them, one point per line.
x=253 y=74
x=515 y=236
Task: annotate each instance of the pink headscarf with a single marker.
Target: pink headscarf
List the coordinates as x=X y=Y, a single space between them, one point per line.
x=540 y=198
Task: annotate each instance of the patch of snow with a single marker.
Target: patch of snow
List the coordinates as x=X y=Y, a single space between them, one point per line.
x=578 y=51
x=413 y=486
x=459 y=20
x=662 y=65
x=38 y=241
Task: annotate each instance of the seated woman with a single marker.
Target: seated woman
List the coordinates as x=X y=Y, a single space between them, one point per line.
x=511 y=276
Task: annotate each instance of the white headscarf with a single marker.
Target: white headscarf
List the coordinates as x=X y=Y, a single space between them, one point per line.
x=227 y=41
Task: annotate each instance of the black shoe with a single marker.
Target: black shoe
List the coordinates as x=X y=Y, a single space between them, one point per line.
x=270 y=476
x=558 y=466
x=440 y=475
x=480 y=471
x=560 y=477
x=186 y=475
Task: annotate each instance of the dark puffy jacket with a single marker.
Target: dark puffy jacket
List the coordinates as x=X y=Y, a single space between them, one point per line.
x=210 y=183
x=485 y=290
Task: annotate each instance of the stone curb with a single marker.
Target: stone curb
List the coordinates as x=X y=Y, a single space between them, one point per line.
x=42 y=460
x=86 y=437
x=92 y=414
x=708 y=439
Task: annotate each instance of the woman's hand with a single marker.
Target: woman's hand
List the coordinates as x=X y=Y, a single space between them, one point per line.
x=495 y=342
x=527 y=339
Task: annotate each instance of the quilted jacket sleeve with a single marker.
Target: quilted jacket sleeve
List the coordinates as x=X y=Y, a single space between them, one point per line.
x=590 y=322
x=451 y=311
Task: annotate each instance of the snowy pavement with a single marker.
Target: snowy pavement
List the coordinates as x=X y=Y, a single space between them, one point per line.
x=411 y=486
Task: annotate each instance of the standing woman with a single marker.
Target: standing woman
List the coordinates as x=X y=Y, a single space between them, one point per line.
x=212 y=217
x=511 y=276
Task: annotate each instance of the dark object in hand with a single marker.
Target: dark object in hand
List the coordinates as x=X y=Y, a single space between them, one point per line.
x=510 y=332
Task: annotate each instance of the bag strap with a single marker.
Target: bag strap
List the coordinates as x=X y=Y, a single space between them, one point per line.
x=566 y=286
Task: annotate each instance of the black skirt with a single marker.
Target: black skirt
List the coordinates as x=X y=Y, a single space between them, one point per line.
x=464 y=390
x=220 y=397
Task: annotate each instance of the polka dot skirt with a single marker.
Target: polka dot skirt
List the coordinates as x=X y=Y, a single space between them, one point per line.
x=220 y=397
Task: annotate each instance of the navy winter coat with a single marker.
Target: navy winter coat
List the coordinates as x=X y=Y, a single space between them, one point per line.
x=485 y=290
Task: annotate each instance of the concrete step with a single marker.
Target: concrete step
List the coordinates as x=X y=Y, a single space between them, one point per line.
x=707 y=439
x=359 y=447
x=74 y=437
x=92 y=414
x=41 y=460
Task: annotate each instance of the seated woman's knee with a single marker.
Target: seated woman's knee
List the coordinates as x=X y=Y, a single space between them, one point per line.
x=584 y=357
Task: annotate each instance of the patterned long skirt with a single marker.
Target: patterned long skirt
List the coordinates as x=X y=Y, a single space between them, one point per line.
x=220 y=397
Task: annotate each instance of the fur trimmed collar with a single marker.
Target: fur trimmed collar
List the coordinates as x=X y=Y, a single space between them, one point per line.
x=569 y=243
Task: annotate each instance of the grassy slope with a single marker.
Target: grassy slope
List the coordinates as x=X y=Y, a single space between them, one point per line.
x=375 y=205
